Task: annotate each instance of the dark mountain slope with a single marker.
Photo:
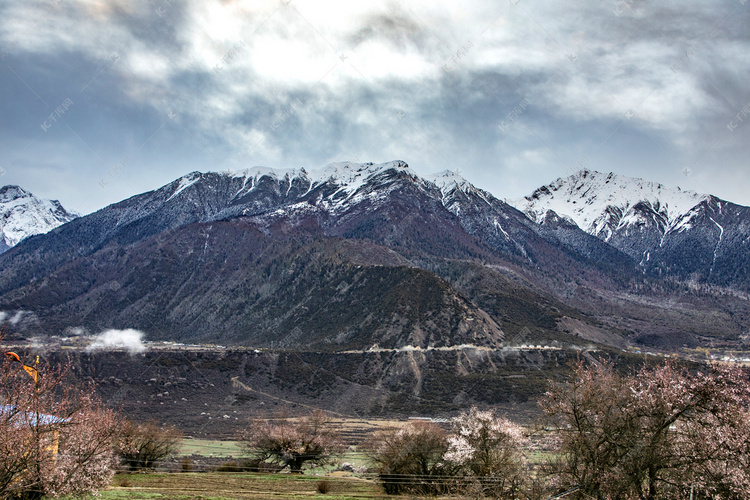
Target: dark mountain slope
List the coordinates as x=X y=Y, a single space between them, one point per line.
x=228 y=282
x=347 y=257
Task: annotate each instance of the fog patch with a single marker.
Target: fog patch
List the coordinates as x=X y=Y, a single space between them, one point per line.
x=13 y=318
x=129 y=339
x=75 y=331
x=17 y=318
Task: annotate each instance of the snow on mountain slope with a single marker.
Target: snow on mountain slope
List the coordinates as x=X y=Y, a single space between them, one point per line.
x=336 y=184
x=22 y=214
x=449 y=181
x=185 y=182
x=668 y=232
x=348 y=176
x=603 y=204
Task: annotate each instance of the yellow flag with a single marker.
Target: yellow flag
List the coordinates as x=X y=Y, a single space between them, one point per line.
x=30 y=371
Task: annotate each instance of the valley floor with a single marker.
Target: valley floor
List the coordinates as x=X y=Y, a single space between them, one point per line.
x=220 y=486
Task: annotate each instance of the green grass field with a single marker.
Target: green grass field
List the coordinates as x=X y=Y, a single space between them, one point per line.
x=281 y=486
x=227 y=486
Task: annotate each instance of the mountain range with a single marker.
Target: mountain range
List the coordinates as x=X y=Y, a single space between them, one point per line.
x=373 y=256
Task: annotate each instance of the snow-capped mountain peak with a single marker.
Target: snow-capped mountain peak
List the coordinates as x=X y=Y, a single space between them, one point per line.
x=349 y=173
x=11 y=193
x=348 y=177
x=447 y=180
x=601 y=204
x=22 y=214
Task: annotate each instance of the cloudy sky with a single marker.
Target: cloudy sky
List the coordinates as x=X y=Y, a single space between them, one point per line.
x=101 y=100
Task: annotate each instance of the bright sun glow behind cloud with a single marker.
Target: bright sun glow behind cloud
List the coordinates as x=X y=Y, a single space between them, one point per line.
x=175 y=86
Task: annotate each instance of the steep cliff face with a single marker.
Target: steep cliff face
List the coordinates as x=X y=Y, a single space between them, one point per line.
x=213 y=392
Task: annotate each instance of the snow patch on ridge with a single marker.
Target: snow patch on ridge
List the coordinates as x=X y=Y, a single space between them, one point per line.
x=185 y=182
x=447 y=181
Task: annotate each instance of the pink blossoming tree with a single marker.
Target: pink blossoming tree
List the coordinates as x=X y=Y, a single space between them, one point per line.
x=55 y=437
x=488 y=453
x=294 y=443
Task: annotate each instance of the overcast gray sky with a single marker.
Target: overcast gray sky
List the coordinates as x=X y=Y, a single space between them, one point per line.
x=101 y=100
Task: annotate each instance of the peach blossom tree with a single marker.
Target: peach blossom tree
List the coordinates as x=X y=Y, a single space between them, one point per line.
x=143 y=445
x=481 y=453
x=487 y=452
x=293 y=444
x=56 y=438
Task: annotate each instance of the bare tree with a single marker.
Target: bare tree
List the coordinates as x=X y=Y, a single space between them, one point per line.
x=294 y=443
x=55 y=437
x=661 y=433
x=411 y=459
x=142 y=446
